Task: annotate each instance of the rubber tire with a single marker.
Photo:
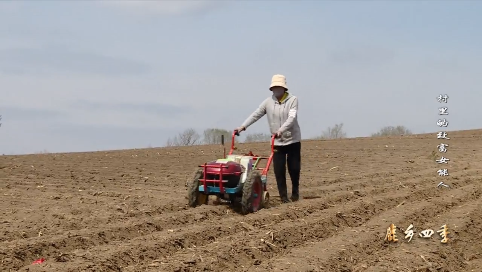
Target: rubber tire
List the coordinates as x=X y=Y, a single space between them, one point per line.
x=194 y=196
x=247 y=198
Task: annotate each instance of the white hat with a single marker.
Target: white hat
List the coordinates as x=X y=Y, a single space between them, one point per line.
x=278 y=81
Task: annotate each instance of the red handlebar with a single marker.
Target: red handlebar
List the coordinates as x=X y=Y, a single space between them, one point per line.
x=236 y=133
x=272 y=143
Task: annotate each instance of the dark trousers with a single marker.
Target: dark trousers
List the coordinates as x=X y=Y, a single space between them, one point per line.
x=290 y=154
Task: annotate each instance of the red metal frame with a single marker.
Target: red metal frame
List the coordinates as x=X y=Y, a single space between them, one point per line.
x=218 y=169
x=270 y=159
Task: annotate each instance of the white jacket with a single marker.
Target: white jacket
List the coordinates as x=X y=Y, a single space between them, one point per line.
x=282 y=117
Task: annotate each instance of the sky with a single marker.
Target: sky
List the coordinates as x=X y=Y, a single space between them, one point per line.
x=102 y=75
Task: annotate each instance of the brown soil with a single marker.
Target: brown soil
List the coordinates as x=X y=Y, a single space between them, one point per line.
x=126 y=211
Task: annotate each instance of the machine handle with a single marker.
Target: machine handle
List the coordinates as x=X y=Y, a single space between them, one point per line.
x=273 y=137
x=235 y=133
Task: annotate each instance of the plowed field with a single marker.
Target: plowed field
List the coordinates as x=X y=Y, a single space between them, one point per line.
x=126 y=210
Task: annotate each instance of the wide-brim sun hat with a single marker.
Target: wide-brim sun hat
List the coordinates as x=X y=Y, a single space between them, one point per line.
x=278 y=81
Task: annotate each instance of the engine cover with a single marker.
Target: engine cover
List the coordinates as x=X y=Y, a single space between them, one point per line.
x=229 y=167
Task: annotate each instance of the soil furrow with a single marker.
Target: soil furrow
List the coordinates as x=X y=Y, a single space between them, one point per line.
x=140 y=227
x=366 y=242
x=87 y=239
x=287 y=228
x=288 y=235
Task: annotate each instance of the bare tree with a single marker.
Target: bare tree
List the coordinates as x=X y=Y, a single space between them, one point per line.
x=335 y=132
x=213 y=135
x=172 y=142
x=185 y=138
x=257 y=137
x=392 y=131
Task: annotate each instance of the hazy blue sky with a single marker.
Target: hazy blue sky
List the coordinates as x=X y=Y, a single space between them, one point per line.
x=94 y=75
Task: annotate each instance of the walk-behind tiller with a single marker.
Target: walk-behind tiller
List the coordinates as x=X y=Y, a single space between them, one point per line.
x=235 y=178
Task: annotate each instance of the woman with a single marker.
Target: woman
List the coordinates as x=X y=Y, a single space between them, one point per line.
x=282 y=111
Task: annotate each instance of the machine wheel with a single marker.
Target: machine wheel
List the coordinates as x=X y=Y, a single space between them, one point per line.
x=252 y=199
x=195 y=197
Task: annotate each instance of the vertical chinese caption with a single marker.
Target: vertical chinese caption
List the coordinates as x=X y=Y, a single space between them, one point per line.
x=442 y=135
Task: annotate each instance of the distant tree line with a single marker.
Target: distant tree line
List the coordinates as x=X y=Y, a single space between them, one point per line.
x=213 y=135
x=392 y=131
x=337 y=132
